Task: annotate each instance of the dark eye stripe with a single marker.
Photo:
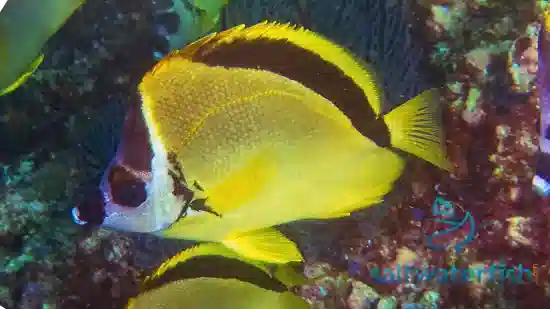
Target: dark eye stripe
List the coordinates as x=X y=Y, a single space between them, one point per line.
x=126 y=189
x=135 y=149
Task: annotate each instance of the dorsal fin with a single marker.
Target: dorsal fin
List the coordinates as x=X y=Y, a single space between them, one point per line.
x=298 y=54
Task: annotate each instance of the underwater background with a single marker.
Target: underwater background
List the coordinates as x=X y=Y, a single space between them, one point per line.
x=59 y=130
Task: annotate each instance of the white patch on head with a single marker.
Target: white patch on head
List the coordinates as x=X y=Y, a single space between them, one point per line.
x=161 y=208
x=157 y=212
x=166 y=205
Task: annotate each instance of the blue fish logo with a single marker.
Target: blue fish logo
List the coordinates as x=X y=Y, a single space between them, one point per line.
x=445 y=212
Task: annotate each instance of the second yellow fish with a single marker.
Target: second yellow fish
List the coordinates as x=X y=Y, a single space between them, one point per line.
x=211 y=276
x=254 y=127
x=25 y=26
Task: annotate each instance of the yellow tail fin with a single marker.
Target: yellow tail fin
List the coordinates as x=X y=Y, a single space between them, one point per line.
x=267 y=245
x=414 y=127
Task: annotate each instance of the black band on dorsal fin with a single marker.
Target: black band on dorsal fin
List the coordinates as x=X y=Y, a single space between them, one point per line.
x=346 y=82
x=309 y=69
x=293 y=62
x=215 y=266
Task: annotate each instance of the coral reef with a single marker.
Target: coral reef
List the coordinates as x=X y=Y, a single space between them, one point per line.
x=49 y=262
x=492 y=180
x=490 y=116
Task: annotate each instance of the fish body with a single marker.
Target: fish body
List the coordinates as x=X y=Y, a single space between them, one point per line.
x=277 y=134
x=541 y=180
x=258 y=141
x=212 y=276
x=25 y=26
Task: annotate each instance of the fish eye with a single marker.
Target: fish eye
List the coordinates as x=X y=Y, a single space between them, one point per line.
x=91 y=210
x=126 y=189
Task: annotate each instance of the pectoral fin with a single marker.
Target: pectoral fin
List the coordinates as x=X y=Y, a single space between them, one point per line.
x=243 y=184
x=268 y=245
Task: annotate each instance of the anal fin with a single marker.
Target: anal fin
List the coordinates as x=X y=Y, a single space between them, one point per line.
x=267 y=245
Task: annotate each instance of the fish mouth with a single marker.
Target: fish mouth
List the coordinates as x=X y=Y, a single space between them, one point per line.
x=90 y=211
x=105 y=214
x=77 y=217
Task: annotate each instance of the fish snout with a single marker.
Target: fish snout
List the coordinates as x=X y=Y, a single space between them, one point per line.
x=91 y=211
